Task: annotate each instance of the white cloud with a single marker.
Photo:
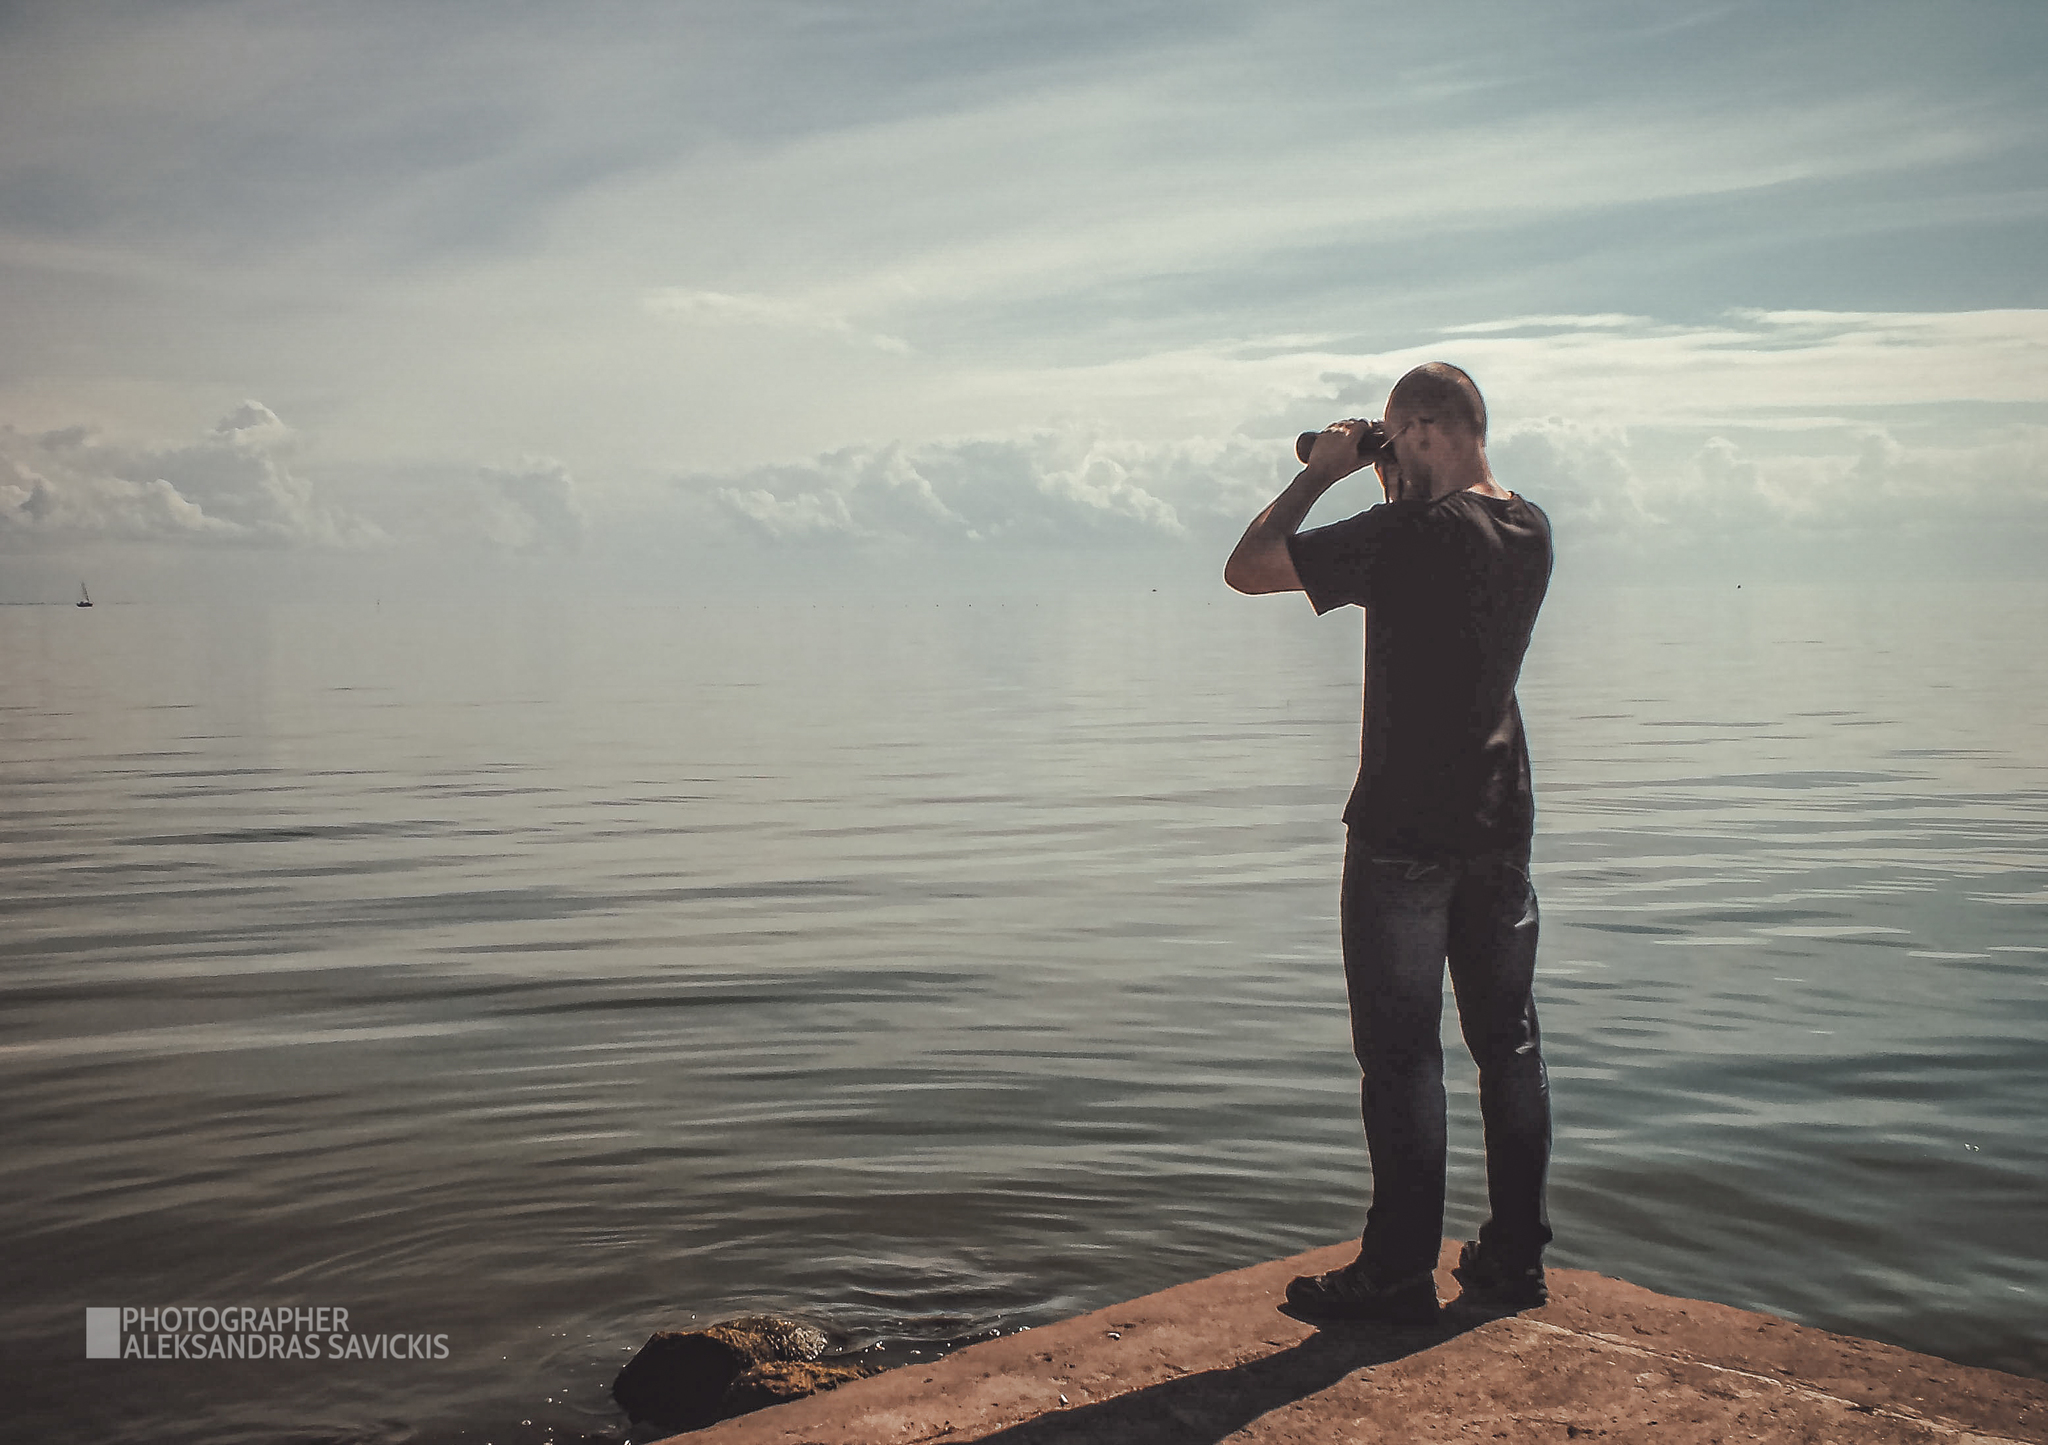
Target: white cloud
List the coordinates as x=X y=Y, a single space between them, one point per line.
x=231 y=485
x=1652 y=437
x=1046 y=489
x=1199 y=169
x=1748 y=369
x=1606 y=320
x=1799 y=368
x=789 y=313
x=1605 y=491
x=1651 y=494
x=1873 y=484
x=533 y=508
x=1583 y=476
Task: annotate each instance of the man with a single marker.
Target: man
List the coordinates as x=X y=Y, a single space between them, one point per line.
x=1450 y=571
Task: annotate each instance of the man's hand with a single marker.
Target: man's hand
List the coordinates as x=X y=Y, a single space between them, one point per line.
x=1335 y=454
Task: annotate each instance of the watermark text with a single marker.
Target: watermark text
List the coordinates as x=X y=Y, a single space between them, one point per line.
x=245 y=1332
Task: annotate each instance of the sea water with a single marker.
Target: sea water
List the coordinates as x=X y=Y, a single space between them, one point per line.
x=541 y=975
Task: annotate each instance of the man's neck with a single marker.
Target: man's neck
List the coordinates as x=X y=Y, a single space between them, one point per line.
x=1467 y=473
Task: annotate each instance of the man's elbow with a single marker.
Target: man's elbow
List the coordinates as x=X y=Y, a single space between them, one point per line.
x=1258 y=573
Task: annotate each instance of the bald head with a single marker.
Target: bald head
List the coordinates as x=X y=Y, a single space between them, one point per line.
x=1443 y=393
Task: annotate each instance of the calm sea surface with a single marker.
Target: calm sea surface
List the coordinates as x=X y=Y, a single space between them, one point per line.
x=542 y=976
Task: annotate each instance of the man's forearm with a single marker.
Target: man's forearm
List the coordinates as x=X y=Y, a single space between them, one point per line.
x=1291 y=508
x=1261 y=562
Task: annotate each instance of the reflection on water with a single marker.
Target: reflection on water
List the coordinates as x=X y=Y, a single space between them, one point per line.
x=543 y=976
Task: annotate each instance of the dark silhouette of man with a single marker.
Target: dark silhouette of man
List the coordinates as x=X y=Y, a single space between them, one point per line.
x=1450 y=570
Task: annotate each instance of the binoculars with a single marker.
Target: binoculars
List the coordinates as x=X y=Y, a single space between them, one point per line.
x=1372 y=443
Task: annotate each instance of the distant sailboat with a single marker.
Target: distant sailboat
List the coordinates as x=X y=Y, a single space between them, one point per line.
x=84 y=597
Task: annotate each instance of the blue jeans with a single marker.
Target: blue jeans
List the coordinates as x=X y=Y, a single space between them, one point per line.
x=1402 y=918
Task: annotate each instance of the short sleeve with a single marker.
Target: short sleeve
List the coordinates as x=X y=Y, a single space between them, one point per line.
x=1338 y=564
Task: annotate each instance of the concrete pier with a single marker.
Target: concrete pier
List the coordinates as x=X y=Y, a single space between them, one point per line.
x=1213 y=1361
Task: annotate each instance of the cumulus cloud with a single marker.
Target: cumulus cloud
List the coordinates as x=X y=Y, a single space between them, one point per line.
x=1047 y=488
x=1654 y=494
x=1873 y=484
x=232 y=485
x=534 y=508
x=1582 y=474
x=1598 y=485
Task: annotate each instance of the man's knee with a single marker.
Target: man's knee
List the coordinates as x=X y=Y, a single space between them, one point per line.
x=1504 y=1042
x=1396 y=1058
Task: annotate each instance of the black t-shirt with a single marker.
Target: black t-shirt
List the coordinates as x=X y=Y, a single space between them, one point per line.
x=1451 y=588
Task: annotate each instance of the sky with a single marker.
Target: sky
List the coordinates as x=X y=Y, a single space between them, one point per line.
x=685 y=295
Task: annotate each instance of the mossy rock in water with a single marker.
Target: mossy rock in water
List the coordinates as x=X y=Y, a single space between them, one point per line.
x=680 y=1377
x=766 y=1339
x=764 y=1385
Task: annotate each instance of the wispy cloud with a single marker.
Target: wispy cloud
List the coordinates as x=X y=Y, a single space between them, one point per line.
x=1612 y=320
x=927 y=212
x=790 y=313
x=1763 y=366
x=1744 y=369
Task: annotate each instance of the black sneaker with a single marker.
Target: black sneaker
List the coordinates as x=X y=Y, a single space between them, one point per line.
x=1351 y=1296
x=1492 y=1285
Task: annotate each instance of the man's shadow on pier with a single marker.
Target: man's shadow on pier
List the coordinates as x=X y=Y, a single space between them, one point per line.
x=1207 y=1406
